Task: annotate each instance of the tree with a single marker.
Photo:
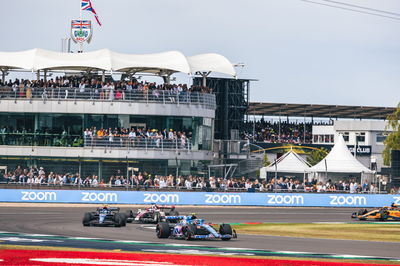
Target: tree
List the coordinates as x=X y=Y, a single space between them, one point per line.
x=316 y=156
x=266 y=161
x=392 y=141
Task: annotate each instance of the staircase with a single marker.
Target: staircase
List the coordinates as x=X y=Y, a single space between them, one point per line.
x=254 y=161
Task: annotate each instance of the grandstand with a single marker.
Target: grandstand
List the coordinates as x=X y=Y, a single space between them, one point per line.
x=87 y=124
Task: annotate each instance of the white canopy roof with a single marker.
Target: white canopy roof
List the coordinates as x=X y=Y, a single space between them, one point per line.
x=211 y=62
x=104 y=59
x=340 y=160
x=290 y=162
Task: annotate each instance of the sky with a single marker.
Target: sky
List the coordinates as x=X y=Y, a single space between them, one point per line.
x=297 y=51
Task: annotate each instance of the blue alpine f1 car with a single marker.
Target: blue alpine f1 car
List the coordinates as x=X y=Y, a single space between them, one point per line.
x=105 y=216
x=189 y=227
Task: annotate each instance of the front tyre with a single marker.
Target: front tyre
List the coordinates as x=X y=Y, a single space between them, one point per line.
x=189 y=231
x=162 y=230
x=225 y=229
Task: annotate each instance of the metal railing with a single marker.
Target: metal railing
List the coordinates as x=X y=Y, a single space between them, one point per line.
x=205 y=100
x=40 y=139
x=181 y=144
x=107 y=142
x=108 y=186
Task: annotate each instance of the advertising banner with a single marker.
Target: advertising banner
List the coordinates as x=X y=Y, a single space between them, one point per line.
x=199 y=198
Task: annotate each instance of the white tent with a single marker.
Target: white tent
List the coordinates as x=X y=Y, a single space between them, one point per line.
x=104 y=59
x=290 y=162
x=339 y=161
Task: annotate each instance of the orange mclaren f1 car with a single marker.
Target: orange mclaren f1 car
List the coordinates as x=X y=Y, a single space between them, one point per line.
x=391 y=213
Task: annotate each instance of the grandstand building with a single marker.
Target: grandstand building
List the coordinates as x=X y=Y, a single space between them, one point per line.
x=363 y=127
x=47 y=126
x=366 y=137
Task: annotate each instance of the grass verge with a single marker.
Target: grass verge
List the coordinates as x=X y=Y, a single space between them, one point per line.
x=359 y=231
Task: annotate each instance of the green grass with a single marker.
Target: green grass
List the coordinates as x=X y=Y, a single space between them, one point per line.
x=371 y=232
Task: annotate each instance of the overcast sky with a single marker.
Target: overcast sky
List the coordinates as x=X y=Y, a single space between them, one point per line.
x=300 y=52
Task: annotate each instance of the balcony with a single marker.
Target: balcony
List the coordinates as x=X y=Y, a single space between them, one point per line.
x=72 y=100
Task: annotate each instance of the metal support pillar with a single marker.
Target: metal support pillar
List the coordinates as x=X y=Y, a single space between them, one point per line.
x=3 y=75
x=204 y=76
x=167 y=79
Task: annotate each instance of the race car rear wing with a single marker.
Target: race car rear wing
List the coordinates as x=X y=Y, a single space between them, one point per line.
x=165 y=206
x=113 y=209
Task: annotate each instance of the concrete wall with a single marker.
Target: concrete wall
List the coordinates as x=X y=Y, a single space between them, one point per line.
x=104 y=107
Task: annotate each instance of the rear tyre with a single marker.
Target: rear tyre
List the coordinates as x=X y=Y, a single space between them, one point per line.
x=123 y=219
x=162 y=230
x=118 y=220
x=87 y=217
x=225 y=229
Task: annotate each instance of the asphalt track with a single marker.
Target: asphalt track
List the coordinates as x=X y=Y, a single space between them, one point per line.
x=67 y=221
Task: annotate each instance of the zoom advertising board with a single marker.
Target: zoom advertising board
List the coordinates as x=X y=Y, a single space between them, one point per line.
x=198 y=198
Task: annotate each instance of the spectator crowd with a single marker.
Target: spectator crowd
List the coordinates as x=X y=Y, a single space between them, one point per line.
x=278 y=132
x=94 y=88
x=140 y=137
x=37 y=176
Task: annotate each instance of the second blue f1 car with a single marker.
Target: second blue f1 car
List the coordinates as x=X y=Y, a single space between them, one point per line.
x=189 y=227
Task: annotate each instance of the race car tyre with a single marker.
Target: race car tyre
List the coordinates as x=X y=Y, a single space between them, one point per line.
x=383 y=214
x=225 y=229
x=189 y=231
x=87 y=217
x=162 y=230
x=123 y=219
x=118 y=219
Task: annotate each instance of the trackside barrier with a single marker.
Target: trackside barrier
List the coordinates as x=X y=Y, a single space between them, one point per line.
x=198 y=198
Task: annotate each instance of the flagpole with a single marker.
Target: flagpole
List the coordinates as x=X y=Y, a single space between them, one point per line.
x=80 y=18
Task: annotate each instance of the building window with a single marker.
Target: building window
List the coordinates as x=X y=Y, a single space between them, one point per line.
x=315 y=138
x=360 y=137
x=380 y=137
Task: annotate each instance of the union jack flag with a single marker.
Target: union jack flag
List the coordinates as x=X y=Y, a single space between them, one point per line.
x=80 y=24
x=87 y=6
